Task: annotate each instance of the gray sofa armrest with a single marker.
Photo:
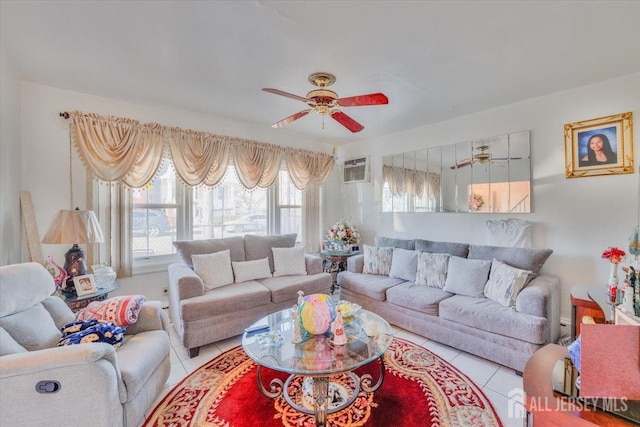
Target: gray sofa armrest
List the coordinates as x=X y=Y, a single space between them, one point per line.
x=152 y=317
x=184 y=283
x=313 y=264
x=541 y=297
x=355 y=263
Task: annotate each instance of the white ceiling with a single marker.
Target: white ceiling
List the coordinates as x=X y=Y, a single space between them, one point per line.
x=434 y=60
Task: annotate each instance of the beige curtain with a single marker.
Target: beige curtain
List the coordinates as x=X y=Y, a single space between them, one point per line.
x=124 y=150
x=411 y=181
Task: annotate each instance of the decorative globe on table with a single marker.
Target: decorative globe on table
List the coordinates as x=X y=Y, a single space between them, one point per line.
x=317 y=311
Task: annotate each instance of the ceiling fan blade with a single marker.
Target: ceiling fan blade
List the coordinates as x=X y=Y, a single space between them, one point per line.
x=285 y=94
x=370 y=99
x=462 y=163
x=291 y=118
x=346 y=121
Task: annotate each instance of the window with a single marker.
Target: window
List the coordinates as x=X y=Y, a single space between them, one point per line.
x=165 y=211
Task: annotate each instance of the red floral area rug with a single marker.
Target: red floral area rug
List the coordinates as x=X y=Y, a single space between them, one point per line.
x=419 y=389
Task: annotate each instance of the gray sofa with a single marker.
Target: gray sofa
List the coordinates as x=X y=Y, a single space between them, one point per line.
x=98 y=384
x=477 y=325
x=201 y=316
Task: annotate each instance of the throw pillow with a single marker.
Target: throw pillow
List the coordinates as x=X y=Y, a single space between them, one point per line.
x=377 y=260
x=251 y=270
x=81 y=332
x=122 y=311
x=467 y=276
x=432 y=269
x=505 y=283
x=404 y=264
x=289 y=261
x=214 y=269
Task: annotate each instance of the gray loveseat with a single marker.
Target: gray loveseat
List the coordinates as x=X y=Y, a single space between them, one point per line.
x=202 y=316
x=475 y=324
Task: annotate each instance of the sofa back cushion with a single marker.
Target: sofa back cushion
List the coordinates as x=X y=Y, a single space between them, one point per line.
x=390 y=242
x=187 y=248
x=404 y=264
x=522 y=258
x=32 y=328
x=258 y=247
x=467 y=276
x=22 y=286
x=214 y=269
x=452 y=248
x=377 y=260
x=432 y=269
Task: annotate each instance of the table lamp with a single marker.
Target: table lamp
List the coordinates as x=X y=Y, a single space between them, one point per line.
x=74 y=227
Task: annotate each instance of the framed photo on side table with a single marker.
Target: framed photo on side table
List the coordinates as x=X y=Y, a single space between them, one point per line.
x=602 y=146
x=85 y=285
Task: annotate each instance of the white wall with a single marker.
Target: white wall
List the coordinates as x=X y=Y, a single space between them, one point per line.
x=10 y=227
x=577 y=218
x=45 y=153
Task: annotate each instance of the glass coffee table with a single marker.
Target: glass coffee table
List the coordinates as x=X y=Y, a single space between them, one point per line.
x=321 y=379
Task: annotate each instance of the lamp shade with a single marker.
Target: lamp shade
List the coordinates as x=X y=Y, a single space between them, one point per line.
x=74 y=226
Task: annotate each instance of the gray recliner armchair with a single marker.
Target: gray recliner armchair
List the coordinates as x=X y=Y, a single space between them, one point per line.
x=77 y=385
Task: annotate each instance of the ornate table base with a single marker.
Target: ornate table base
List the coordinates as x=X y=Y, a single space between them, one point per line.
x=325 y=396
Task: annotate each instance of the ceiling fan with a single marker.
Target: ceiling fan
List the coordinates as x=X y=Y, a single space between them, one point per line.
x=482 y=157
x=325 y=102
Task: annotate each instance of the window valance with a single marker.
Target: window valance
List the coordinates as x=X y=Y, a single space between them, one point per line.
x=411 y=181
x=124 y=150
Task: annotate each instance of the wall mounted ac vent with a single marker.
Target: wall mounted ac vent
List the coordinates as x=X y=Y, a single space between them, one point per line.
x=356 y=170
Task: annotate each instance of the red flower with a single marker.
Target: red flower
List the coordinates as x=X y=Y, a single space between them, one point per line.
x=613 y=254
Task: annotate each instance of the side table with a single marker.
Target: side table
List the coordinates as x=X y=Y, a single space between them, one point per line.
x=583 y=305
x=77 y=303
x=334 y=263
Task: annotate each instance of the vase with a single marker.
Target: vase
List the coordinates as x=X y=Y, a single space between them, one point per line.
x=613 y=275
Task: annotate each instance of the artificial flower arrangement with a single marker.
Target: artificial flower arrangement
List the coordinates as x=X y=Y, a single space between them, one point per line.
x=343 y=232
x=613 y=254
x=475 y=202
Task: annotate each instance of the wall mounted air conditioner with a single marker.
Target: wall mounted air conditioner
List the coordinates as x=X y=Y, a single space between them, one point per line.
x=356 y=170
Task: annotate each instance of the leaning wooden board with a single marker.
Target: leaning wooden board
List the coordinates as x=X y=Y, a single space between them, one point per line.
x=32 y=238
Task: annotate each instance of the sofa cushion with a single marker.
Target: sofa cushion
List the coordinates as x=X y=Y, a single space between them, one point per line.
x=234 y=298
x=139 y=357
x=389 y=242
x=432 y=269
x=404 y=264
x=251 y=270
x=420 y=298
x=214 y=269
x=488 y=315
x=187 y=248
x=289 y=261
x=451 y=248
x=286 y=288
x=522 y=258
x=122 y=310
x=371 y=285
x=33 y=328
x=505 y=283
x=377 y=260
x=258 y=247
x=467 y=276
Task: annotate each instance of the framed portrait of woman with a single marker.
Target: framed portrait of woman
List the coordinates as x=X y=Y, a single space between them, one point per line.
x=602 y=146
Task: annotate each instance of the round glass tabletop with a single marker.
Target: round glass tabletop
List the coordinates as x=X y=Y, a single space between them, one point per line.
x=368 y=337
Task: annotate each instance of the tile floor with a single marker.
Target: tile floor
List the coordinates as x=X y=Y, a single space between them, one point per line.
x=497 y=382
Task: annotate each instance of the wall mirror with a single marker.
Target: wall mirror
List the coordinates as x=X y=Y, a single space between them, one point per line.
x=488 y=175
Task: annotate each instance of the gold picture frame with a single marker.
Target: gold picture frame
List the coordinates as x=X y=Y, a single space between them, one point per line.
x=612 y=136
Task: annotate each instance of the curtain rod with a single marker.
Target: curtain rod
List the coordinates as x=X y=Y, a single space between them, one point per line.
x=64 y=114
